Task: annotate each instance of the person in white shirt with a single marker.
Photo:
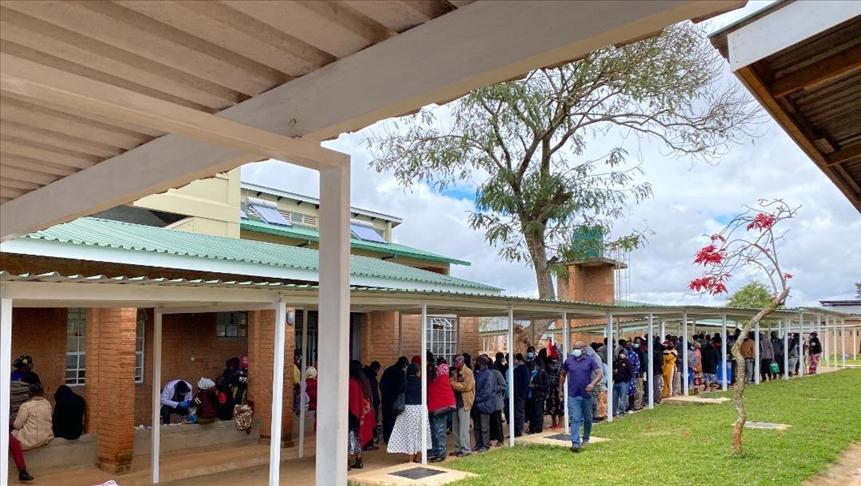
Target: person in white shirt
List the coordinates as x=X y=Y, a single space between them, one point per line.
x=175 y=399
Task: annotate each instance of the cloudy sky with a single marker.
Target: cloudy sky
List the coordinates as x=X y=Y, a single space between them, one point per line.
x=691 y=199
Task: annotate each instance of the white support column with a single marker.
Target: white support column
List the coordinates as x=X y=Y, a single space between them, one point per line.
x=609 y=359
x=400 y=333
x=843 y=340
x=785 y=350
x=854 y=343
x=757 y=368
x=155 y=439
x=836 y=350
x=302 y=411
x=651 y=373
x=663 y=330
x=726 y=376
x=566 y=348
x=5 y=381
x=510 y=377
x=825 y=347
x=801 y=344
x=685 y=383
x=277 y=394
x=423 y=354
x=334 y=324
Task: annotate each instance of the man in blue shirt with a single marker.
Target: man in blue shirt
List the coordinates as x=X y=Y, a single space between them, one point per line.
x=578 y=369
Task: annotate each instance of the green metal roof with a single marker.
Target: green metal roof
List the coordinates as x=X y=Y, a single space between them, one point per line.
x=304 y=233
x=95 y=232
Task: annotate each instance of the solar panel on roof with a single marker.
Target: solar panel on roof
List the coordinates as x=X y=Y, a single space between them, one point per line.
x=243 y=214
x=366 y=233
x=270 y=215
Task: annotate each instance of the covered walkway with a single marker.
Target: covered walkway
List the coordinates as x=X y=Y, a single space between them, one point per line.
x=169 y=296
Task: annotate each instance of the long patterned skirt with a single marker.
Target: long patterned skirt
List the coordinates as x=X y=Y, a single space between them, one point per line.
x=407 y=435
x=814 y=363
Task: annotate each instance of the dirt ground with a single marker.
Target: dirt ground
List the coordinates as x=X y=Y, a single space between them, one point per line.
x=845 y=472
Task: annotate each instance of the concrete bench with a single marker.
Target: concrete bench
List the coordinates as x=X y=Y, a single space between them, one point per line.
x=63 y=454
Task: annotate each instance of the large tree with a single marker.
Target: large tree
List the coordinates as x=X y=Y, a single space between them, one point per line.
x=523 y=142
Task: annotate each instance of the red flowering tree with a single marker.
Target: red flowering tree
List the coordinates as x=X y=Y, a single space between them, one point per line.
x=748 y=242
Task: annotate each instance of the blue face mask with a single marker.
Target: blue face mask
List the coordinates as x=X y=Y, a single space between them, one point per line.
x=576 y=353
x=530 y=355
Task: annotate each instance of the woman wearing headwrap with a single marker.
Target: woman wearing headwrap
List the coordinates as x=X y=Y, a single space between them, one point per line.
x=206 y=401
x=311 y=387
x=240 y=382
x=68 y=420
x=407 y=436
x=440 y=405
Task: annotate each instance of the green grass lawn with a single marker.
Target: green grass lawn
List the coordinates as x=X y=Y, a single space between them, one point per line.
x=690 y=444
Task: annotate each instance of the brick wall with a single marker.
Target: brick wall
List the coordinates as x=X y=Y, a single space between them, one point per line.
x=588 y=283
x=110 y=376
x=379 y=335
x=261 y=332
x=190 y=350
x=41 y=333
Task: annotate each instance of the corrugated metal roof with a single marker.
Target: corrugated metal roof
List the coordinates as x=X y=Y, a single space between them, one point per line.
x=313 y=235
x=127 y=236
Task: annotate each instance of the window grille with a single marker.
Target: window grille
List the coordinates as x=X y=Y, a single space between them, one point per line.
x=76 y=342
x=140 y=346
x=231 y=324
x=442 y=336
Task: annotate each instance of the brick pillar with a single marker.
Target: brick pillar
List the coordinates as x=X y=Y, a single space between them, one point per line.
x=261 y=356
x=110 y=369
x=468 y=339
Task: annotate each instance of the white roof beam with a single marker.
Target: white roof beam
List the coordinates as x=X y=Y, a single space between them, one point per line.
x=786 y=27
x=477 y=45
x=77 y=94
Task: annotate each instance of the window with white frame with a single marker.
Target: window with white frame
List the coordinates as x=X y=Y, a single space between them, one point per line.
x=76 y=342
x=442 y=336
x=140 y=346
x=231 y=324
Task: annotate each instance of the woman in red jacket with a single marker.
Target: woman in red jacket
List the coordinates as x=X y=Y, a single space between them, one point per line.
x=440 y=405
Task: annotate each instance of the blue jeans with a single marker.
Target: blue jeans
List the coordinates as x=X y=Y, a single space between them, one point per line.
x=439 y=426
x=579 y=412
x=620 y=397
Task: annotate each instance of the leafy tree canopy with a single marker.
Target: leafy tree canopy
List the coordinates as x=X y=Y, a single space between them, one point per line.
x=525 y=142
x=754 y=295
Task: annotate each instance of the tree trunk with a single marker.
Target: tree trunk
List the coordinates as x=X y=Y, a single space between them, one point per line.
x=741 y=413
x=538 y=253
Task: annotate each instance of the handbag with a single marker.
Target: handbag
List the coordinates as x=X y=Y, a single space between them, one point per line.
x=400 y=403
x=774 y=368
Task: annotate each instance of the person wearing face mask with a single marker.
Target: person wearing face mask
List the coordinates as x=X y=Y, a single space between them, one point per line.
x=582 y=374
x=621 y=377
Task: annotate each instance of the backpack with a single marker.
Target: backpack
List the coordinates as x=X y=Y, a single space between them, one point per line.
x=774 y=368
x=242 y=415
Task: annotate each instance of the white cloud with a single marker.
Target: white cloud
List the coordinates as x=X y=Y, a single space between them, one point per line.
x=822 y=250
